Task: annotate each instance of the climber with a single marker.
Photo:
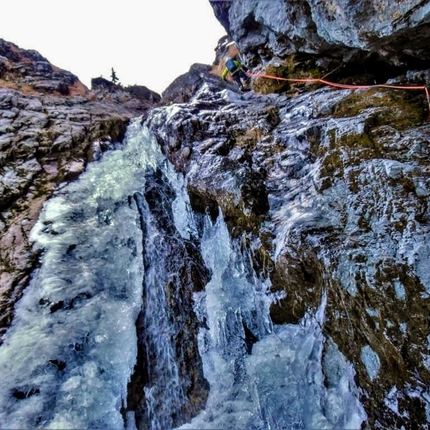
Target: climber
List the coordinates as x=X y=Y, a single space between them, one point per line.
x=236 y=69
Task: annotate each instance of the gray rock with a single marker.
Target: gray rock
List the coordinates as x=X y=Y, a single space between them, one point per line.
x=183 y=87
x=74 y=169
x=324 y=198
x=397 y=32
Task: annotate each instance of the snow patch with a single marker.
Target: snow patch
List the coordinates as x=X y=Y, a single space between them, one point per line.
x=400 y=290
x=371 y=361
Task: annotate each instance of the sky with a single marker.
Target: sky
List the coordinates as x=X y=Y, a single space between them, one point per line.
x=147 y=42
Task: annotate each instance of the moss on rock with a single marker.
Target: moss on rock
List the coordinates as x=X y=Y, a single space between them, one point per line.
x=398 y=108
x=298 y=275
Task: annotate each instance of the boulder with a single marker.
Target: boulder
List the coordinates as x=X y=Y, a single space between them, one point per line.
x=143 y=93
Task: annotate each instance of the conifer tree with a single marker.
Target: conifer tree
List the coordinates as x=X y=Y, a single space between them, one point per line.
x=113 y=76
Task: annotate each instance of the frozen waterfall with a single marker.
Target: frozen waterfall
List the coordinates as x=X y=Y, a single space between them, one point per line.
x=67 y=357
x=109 y=267
x=265 y=377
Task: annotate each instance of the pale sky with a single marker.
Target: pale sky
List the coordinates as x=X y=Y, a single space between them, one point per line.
x=148 y=42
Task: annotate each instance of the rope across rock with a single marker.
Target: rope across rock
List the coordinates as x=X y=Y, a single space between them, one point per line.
x=346 y=86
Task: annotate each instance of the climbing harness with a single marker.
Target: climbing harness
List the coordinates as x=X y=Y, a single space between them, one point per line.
x=345 y=86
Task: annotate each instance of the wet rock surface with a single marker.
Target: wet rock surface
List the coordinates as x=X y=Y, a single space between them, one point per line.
x=328 y=191
x=51 y=126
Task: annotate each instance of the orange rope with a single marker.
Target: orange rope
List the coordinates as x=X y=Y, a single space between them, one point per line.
x=347 y=87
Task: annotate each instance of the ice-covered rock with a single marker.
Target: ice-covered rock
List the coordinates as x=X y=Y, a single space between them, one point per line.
x=397 y=32
x=51 y=125
x=326 y=191
x=291 y=244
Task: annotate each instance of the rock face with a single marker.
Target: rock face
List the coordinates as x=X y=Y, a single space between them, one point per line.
x=183 y=87
x=397 y=32
x=341 y=181
x=328 y=191
x=51 y=125
x=28 y=70
x=137 y=98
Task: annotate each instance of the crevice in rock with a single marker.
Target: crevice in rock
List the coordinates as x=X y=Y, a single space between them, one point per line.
x=203 y=204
